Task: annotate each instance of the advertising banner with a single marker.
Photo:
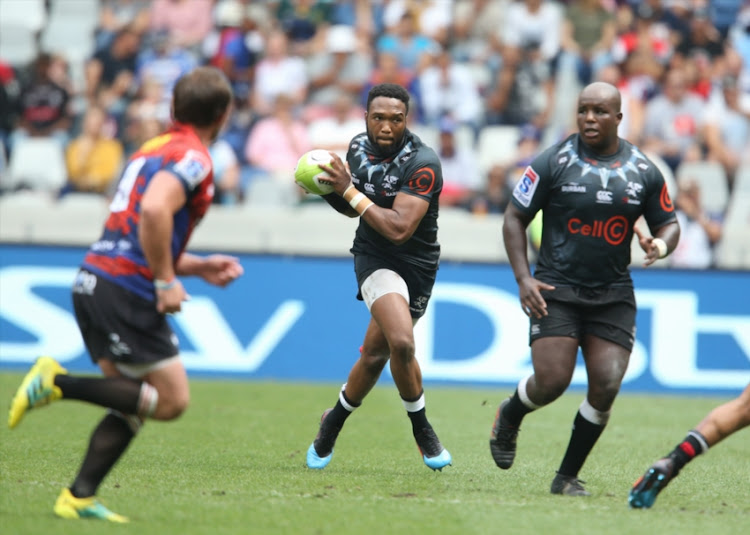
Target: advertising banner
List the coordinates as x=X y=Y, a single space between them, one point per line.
x=297 y=319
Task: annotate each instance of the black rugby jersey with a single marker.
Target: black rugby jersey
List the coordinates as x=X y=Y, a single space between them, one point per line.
x=590 y=204
x=415 y=170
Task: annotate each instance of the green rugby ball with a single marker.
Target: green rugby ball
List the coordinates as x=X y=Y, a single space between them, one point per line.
x=307 y=172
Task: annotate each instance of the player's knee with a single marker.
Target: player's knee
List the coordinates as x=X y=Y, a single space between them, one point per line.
x=744 y=408
x=173 y=407
x=549 y=387
x=374 y=361
x=402 y=347
x=603 y=393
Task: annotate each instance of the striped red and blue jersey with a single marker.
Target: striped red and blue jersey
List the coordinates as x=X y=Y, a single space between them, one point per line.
x=117 y=255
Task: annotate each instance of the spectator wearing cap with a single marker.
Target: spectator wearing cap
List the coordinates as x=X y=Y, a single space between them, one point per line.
x=461 y=177
x=448 y=88
x=344 y=66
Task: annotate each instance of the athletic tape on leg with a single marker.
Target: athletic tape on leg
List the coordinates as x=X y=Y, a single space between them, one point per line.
x=524 y=396
x=382 y=282
x=592 y=415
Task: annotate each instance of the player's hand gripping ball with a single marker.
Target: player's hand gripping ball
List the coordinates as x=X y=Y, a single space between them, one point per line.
x=307 y=173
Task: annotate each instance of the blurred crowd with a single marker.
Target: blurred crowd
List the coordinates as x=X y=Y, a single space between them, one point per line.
x=493 y=83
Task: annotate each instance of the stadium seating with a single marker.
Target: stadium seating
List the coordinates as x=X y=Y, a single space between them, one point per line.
x=666 y=172
x=497 y=144
x=733 y=251
x=31 y=14
x=3 y=161
x=742 y=180
x=37 y=163
x=428 y=134
x=17 y=44
x=712 y=180
x=277 y=191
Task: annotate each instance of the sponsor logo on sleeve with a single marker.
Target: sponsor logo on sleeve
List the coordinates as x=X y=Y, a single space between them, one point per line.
x=193 y=168
x=422 y=181
x=665 y=200
x=526 y=186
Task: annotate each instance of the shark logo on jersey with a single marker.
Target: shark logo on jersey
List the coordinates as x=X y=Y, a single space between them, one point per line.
x=389 y=185
x=635 y=161
x=633 y=191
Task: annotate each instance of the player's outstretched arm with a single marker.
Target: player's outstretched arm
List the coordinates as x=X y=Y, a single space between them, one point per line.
x=216 y=269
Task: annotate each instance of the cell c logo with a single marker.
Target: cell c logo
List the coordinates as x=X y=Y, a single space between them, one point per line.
x=422 y=181
x=665 y=200
x=613 y=230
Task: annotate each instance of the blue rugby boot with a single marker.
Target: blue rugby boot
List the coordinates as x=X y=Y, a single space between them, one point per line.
x=649 y=485
x=320 y=452
x=434 y=455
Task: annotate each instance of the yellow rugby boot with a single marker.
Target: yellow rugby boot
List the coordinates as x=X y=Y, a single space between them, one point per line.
x=68 y=506
x=37 y=389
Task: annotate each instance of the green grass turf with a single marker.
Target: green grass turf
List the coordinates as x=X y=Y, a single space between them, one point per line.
x=235 y=463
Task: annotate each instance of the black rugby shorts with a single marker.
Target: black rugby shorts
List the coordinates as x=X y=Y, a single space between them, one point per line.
x=608 y=313
x=119 y=325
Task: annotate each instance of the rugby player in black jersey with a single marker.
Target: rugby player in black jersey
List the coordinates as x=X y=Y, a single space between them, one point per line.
x=591 y=188
x=392 y=182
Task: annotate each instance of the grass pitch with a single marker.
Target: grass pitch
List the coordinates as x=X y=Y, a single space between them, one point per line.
x=235 y=464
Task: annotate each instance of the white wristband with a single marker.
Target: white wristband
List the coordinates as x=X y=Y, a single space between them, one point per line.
x=366 y=207
x=355 y=200
x=661 y=245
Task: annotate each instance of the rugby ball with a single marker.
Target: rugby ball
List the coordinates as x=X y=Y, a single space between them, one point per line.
x=307 y=172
